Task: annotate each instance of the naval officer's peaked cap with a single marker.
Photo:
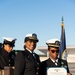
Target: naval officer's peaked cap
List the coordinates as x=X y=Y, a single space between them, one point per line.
x=10 y=41
x=53 y=42
x=32 y=37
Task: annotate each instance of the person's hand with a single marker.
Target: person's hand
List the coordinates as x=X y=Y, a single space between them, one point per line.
x=69 y=74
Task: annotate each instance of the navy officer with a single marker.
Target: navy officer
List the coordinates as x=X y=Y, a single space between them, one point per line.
x=27 y=62
x=53 y=60
x=7 y=57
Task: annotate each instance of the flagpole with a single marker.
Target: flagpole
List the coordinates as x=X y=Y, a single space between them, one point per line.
x=62 y=42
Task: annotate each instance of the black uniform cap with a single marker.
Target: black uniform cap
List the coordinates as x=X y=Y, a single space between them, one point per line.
x=32 y=37
x=9 y=41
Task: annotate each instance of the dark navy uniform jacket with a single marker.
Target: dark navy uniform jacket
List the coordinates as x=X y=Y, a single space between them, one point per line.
x=26 y=64
x=49 y=63
x=6 y=59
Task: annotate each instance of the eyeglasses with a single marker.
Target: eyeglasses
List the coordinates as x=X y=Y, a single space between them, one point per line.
x=53 y=51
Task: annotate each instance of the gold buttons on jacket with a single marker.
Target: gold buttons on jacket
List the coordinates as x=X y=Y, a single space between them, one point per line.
x=37 y=68
x=37 y=63
x=9 y=64
x=37 y=73
x=9 y=60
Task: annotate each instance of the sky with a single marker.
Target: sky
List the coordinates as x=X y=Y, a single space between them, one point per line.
x=43 y=17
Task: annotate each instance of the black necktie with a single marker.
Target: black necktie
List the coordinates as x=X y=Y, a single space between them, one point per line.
x=56 y=63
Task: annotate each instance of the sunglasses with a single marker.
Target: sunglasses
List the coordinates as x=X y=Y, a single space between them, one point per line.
x=53 y=51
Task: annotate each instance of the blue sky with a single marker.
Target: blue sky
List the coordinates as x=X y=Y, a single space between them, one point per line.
x=43 y=17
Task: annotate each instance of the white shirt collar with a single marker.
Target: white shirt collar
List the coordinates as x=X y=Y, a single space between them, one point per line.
x=54 y=60
x=29 y=50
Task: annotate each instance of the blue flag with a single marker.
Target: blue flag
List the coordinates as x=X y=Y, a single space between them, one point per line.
x=63 y=51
